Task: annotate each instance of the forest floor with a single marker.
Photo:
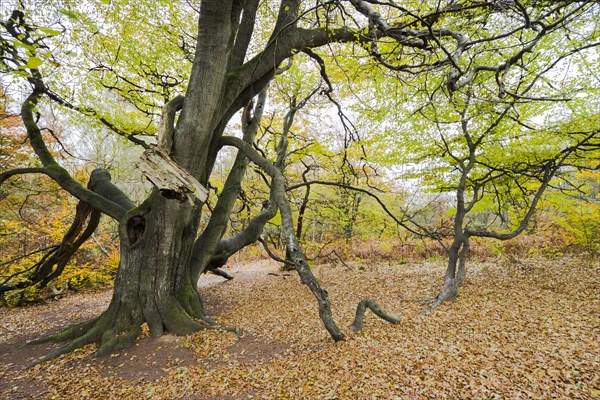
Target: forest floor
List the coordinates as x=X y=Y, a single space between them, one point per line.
x=527 y=329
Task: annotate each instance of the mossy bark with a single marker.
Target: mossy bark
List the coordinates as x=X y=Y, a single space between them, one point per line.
x=153 y=283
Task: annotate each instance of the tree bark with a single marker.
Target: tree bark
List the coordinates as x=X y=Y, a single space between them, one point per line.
x=455 y=274
x=291 y=241
x=152 y=286
x=377 y=310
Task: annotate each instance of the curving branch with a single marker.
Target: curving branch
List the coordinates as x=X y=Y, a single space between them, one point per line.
x=221 y=273
x=21 y=171
x=296 y=254
x=273 y=256
x=245 y=82
x=131 y=136
x=231 y=245
x=85 y=222
x=54 y=170
x=419 y=230
x=550 y=169
x=376 y=309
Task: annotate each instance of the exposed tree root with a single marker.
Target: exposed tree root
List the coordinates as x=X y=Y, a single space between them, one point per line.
x=448 y=293
x=220 y=272
x=71 y=332
x=117 y=328
x=377 y=310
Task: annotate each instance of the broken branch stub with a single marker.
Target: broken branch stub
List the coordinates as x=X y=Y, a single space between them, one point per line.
x=173 y=181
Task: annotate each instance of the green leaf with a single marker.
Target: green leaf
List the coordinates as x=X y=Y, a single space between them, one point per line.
x=21 y=74
x=69 y=14
x=106 y=2
x=90 y=25
x=34 y=62
x=50 y=32
x=23 y=45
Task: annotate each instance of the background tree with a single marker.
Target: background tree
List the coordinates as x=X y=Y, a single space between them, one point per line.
x=495 y=129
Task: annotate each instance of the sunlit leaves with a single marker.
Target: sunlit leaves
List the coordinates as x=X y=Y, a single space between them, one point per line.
x=50 y=31
x=34 y=62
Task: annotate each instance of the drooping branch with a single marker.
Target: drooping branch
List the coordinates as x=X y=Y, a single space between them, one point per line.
x=419 y=230
x=6 y=285
x=221 y=273
x=58 y=256
x=21 y=171
x=71 y=242
x=231 y=245
x=220 y=215
x=130 y=136
x=55 y=171
x=295 y=251
x=273 y=256
x=550 y=168
x=297 y=256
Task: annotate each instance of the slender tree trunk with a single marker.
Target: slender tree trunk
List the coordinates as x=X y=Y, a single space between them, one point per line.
x=299 y=224
x=455 y=273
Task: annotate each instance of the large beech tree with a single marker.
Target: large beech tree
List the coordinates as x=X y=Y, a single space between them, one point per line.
x=162 y=252
x=162 y=255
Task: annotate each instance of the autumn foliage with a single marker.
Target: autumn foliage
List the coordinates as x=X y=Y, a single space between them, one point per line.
x=34 y=216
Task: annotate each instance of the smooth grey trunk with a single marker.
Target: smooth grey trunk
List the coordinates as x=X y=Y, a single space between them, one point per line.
x=455 y=275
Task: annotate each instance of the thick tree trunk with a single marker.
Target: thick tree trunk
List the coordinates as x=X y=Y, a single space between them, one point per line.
x=161 y=257
x=160 y=234
x=153 y=283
